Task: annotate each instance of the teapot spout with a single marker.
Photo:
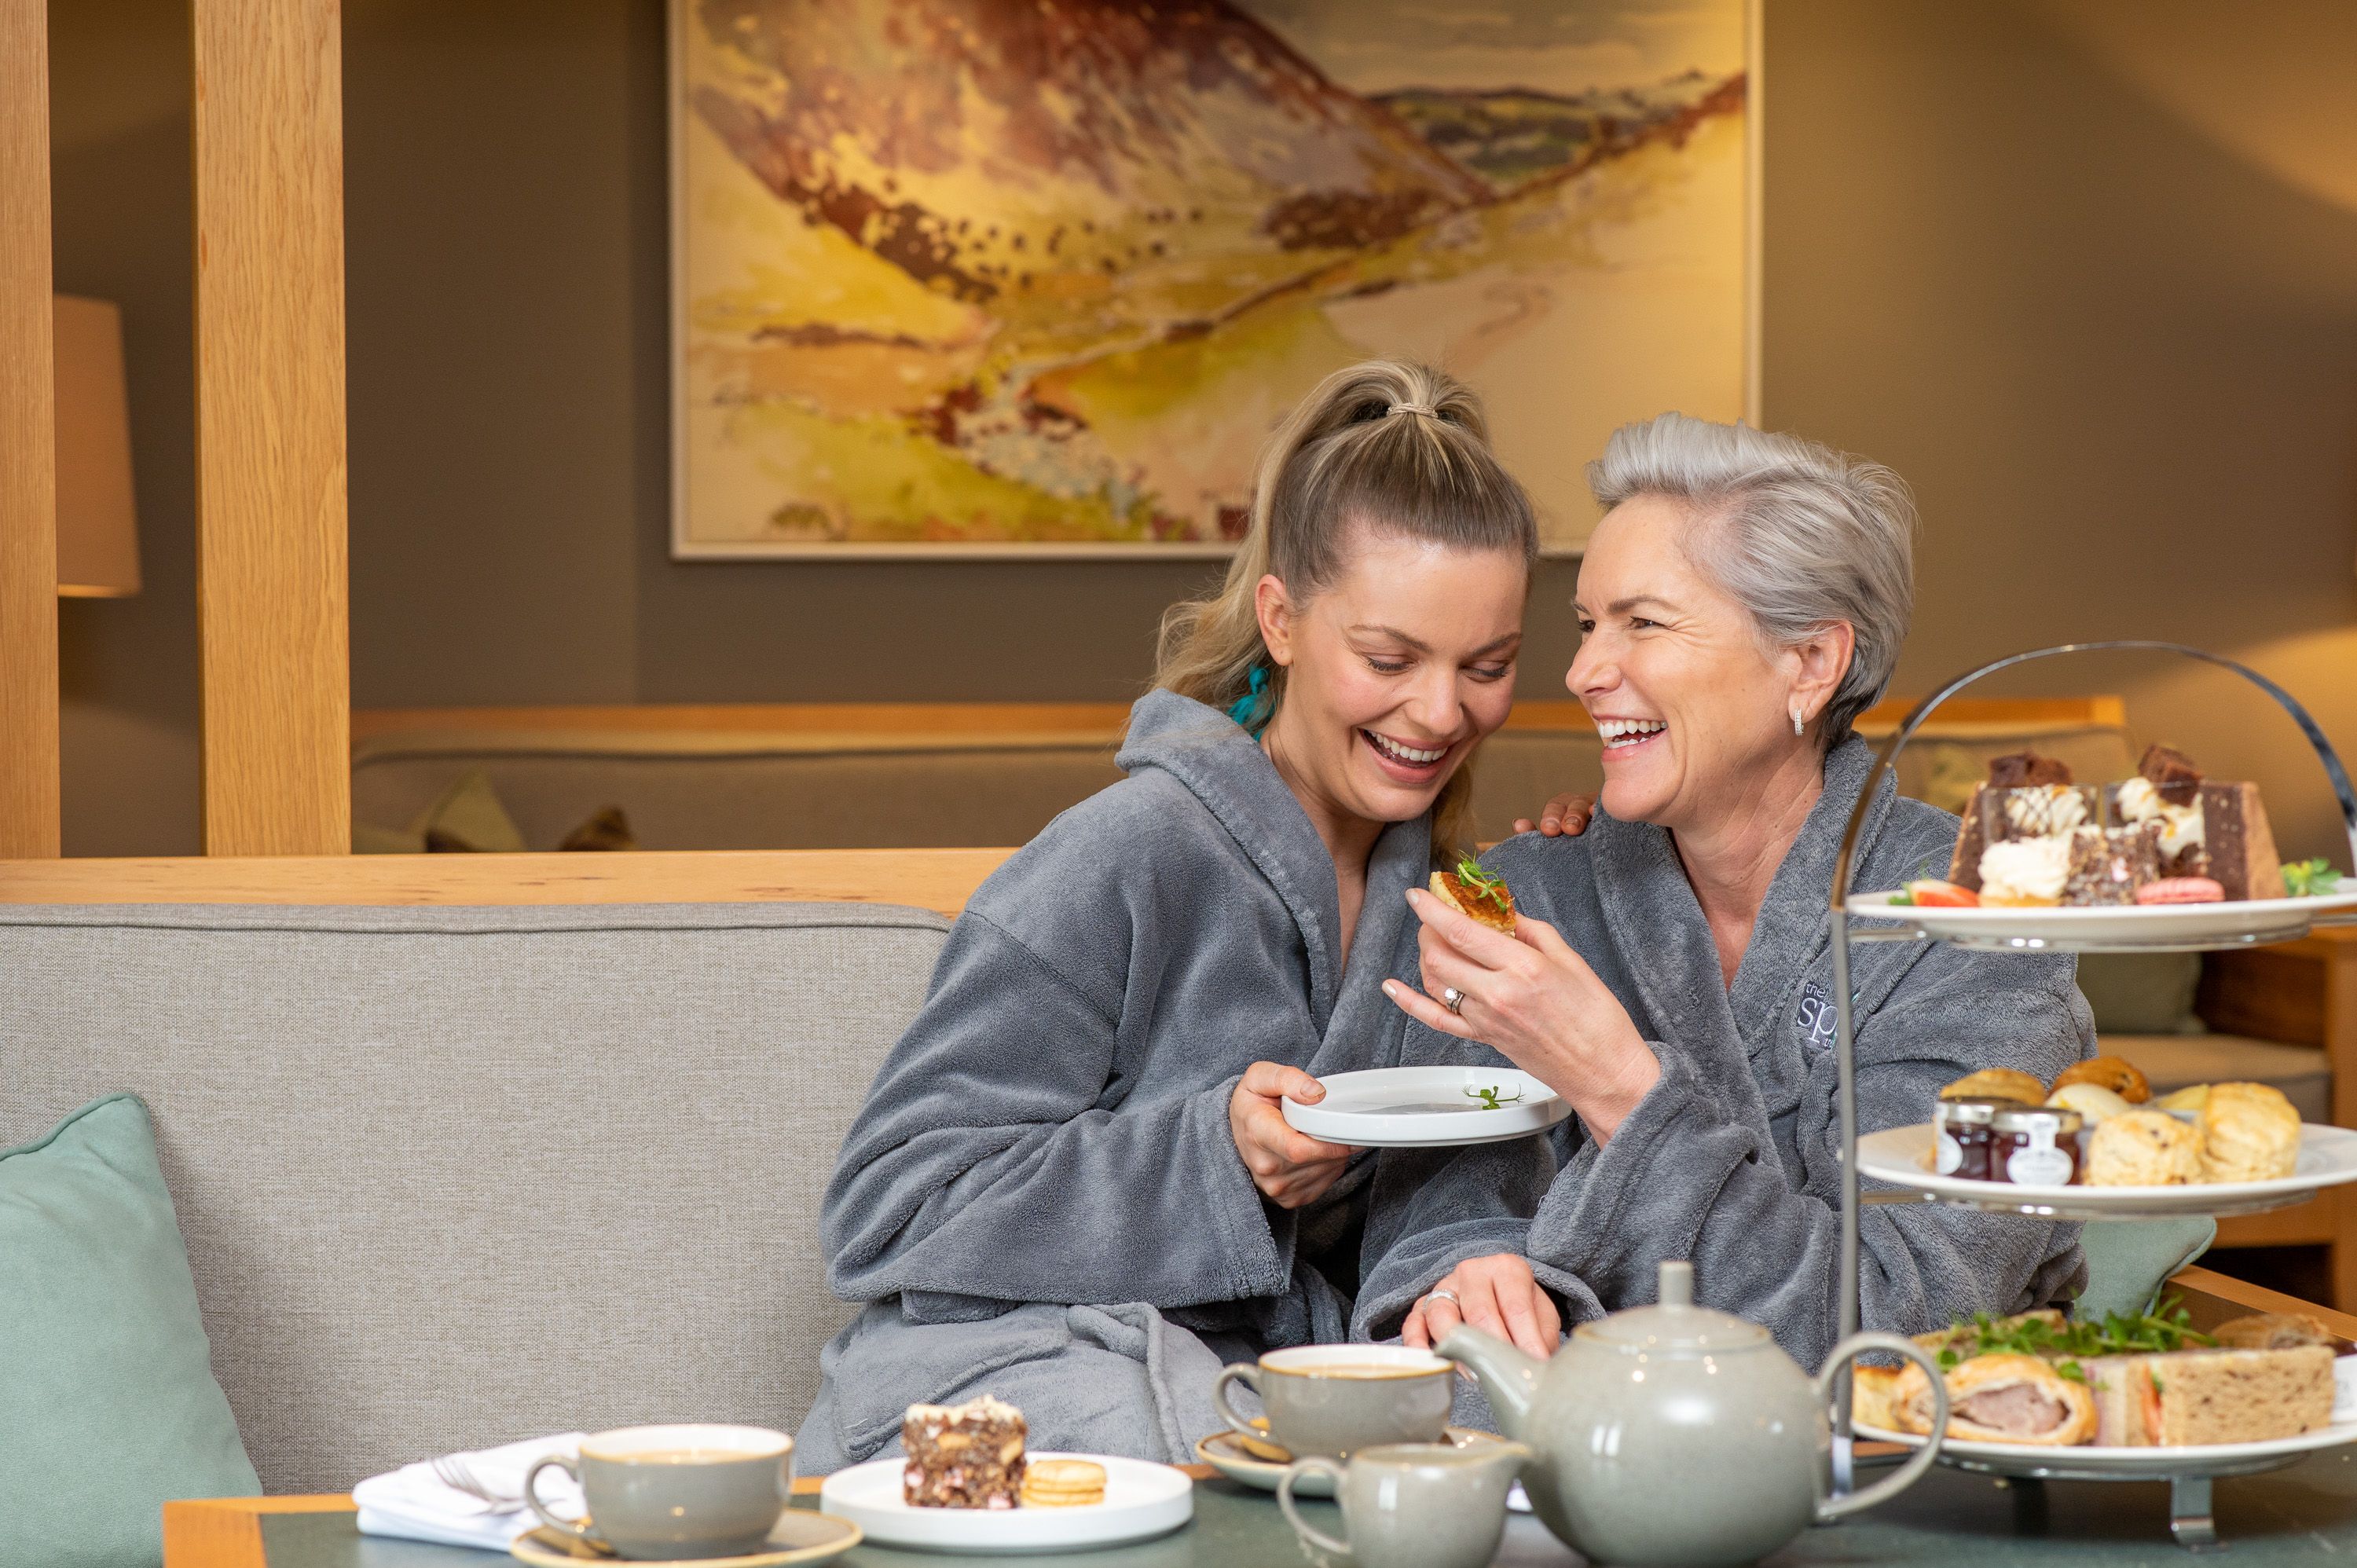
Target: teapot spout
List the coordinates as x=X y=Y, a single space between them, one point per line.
x=1509 y=1379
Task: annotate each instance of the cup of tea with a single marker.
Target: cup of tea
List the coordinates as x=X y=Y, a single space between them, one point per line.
x=1331 y=1400
x=660 y=1494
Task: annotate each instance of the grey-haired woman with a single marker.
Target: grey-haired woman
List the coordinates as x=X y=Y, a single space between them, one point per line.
x=1742 y=601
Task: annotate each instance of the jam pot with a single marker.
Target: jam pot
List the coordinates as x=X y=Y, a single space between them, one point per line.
x=2034 y=1146
x=1964 y=1135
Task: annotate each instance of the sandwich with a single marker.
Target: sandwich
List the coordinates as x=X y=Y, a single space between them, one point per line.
x=2000 y=1398
x=1480 y=895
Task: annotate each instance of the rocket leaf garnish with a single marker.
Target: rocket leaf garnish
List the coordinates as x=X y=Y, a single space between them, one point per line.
x=2311 y=878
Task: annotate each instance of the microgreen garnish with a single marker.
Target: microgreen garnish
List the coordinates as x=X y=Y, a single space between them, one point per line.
x=1490 y=1099
x=2119 y=1334
x=1485 y=885
x=2311 y=878
x=1904 y=896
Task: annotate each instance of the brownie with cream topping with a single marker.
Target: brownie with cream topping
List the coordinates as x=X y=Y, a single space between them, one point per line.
x=965 y=1455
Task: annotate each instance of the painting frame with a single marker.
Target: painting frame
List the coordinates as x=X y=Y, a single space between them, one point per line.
x=684 y=547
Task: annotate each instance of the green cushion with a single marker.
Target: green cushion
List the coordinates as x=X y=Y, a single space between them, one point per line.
x=2141 y=993
x=108 y=1406
x=2128 y=1260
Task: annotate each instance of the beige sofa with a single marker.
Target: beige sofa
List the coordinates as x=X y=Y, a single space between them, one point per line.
x=450 y=1177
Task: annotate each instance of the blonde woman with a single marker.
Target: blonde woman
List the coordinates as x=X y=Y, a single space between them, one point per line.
x=1072 y=1185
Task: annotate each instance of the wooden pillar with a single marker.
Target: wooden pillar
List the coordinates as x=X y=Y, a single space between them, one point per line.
x=28 y=492
x=271 y=580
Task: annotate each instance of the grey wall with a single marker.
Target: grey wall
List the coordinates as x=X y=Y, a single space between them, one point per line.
x=2118 y=359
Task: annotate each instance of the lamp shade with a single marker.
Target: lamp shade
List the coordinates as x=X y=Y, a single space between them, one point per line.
x=98 y=531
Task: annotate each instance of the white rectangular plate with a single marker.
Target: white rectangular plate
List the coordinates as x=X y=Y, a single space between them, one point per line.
x=1427 y=1108
x=1141 y=1499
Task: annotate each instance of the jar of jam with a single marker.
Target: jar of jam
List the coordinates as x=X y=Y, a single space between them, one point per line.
x=1961 y=1146
x=2034 y=1146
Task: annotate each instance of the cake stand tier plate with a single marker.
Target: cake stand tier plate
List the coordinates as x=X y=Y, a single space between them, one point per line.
x=2152 y=927
x=1901 y=1156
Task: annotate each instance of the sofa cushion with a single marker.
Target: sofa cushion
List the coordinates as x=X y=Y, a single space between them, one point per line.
x=2304 y=1073
x=108 y=1407
x=454 y=1177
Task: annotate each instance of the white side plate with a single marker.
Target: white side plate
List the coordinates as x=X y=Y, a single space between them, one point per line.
x=1141 y=1500
x=2159 y=927
x=2127 y=1464
x=2328 y=1157
x=1427 y=1108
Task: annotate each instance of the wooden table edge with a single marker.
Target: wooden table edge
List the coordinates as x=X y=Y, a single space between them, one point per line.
x=226 y=1533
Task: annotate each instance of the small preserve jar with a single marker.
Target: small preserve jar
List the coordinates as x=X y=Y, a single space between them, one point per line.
x=2034 y=1146
x=1961 y=1146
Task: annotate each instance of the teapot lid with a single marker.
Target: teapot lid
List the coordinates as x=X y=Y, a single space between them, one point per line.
x=1676 y=1323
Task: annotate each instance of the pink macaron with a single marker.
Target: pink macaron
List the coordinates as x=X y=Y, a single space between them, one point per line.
x=2182 y=890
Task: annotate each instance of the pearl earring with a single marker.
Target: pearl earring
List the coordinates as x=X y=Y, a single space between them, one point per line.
x=1796 y=721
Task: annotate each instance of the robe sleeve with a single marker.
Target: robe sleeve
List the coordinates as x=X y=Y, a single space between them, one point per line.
x=985 y=1163
x=1694 y=1174
x=1431 y=1210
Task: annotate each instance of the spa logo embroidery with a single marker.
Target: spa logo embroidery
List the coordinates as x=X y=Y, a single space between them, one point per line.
x=1815 y=1020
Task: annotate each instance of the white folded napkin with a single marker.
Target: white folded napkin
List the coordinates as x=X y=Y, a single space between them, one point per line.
x=412 y=1504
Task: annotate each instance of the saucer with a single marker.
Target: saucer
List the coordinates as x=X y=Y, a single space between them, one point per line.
x=1225 y=1452
x=802 y=1536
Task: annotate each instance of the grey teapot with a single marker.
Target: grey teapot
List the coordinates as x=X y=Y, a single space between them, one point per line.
x=1675 y=1434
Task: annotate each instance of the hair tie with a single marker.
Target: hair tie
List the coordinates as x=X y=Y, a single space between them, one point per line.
x=1424 y=409
x=1243 y=710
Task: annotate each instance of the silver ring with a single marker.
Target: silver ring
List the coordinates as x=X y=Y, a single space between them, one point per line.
x=1447 y=1295
x=1454 y=1000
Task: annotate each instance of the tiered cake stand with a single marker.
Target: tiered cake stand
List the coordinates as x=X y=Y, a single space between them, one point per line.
x=2189 y=1472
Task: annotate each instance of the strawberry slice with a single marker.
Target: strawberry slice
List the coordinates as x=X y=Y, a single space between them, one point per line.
x=1936 y=894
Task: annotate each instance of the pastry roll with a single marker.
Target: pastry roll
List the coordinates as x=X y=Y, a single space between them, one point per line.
x=2001 y=1398
x=2249 y=1132
x=2144 y=1148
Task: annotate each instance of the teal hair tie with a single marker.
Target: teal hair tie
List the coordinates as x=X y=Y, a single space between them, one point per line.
x=1245 y=709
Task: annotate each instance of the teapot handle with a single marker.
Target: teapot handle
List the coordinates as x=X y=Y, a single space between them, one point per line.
x=1905 y=1476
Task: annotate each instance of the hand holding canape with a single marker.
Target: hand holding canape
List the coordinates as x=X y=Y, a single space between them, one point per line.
x=1534 y=999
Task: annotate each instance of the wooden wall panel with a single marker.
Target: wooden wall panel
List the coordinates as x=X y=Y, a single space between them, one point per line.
x=271 y=579
x=939 y=879
x=29 y=536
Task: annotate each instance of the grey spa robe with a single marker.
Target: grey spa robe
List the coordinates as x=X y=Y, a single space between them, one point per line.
x=1041 y=1198
x=1732 y=1158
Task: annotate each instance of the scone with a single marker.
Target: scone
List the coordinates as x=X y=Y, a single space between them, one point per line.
x=2144 y=1148
x=2110 y=1072
x=2090 y=1101
x=2249 y=1132
x=1997 y=1083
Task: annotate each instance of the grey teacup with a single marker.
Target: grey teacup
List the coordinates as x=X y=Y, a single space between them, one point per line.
x=1412 y=1505
x=664 y=1493
x=1333 y=1400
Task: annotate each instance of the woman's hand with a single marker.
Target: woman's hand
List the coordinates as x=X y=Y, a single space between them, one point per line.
x=1533 y=998
x=1290 y=1168
x=1499 y=1295
x=1565 y=816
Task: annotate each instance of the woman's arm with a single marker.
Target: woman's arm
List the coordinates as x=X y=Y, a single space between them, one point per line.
x=1695 y=1172
x=986 y=1162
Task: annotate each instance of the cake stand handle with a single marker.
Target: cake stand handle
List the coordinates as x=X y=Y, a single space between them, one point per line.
x=1845 y=1035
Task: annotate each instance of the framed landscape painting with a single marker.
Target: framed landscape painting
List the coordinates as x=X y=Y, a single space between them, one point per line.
x=972 y=278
